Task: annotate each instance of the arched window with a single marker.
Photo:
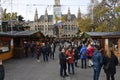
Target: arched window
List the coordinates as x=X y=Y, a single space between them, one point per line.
x=35 y=27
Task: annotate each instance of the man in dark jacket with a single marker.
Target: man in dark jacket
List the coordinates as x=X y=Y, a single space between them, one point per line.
x=2 y=72
x=32 y=48
x=45 y=52
x=26 y=47
x=76 y=56
x=38 y=51
x=62 y=61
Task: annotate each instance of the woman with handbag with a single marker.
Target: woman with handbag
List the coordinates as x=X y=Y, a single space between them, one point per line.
x=110 y=62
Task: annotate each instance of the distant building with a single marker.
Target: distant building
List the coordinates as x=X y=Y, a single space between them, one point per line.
x=58 y=24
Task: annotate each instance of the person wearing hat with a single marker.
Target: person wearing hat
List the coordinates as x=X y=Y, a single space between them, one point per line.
x=2 y=72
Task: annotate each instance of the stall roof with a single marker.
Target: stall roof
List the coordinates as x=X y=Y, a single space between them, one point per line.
x=23 y=33
x=19 y=33
x=104 y=34
x=3 y=34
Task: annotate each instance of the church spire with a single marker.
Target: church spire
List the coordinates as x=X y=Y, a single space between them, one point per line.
x=36 y=16
x=46 y=15
x=69 y=11
x=57 y=2
x=79 y=14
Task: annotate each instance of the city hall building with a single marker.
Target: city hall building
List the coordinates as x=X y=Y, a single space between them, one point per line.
x=58 y=24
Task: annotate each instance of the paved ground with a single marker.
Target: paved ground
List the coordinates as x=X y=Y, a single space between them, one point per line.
x=30 y=69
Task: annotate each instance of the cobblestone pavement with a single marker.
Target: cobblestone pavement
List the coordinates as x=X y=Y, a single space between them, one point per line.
x=30 y=69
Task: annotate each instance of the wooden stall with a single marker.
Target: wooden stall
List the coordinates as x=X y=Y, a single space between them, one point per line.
x=20 y=37
x=108 y=39
x=6 y=47
x=16 y=42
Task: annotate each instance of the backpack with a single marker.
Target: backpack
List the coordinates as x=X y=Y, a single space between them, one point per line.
x=84 y=53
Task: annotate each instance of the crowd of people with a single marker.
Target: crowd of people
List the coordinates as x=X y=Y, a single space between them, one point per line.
x=90 y=54
x=87 y=51
x=35 y=48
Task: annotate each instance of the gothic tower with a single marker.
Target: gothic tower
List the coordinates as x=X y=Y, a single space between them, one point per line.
x=36 y=16
x=79 y=14
x=46 y=16
x=57 y=2
x=56 y=11
x=57 y=16
x=69 y=15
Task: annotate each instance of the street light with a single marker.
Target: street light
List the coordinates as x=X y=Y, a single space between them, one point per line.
x=1 y=15
x=92 y=17
x=110 y=23
x=11 y=18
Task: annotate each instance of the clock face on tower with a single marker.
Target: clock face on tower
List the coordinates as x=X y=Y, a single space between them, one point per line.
x=57 y=2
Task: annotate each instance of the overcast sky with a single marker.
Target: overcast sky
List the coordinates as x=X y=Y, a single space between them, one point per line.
x=26 y=8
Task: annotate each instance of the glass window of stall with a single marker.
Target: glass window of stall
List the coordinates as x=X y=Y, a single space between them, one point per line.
x=113 y=43
x=4 y=44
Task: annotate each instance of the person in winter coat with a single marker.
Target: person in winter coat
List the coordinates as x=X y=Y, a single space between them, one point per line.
x=26 y=47
x=45 y=52
x=62 y=61
x=48 y=49
x=54 y=47
x=52 y=51
x=83 y=56
x=76 y=56
x=2 y=72
x=90 y=50
x=110 y=61
x=70 y=59
x=32 y=48
x=38 y=51
x=97 y=62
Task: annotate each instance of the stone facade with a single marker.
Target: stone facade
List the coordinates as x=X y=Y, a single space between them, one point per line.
x=46 y=23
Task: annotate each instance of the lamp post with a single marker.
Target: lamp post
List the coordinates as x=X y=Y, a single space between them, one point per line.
x=1 y=14
x=11 y=25
x=92 y=11
x=92 y=16
x=110 y=23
